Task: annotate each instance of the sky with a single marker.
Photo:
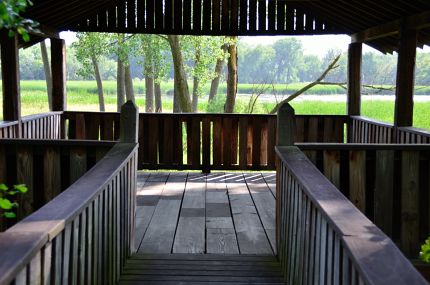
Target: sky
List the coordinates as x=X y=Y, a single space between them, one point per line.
x=313 y=45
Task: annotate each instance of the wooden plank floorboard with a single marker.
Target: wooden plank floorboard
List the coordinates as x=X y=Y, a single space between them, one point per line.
x=270 y=178
x=217 y=213
x=251 y=236
x=147 y=196
x=190 y=232
x=265 y=204
x=220 y=232
x=161 y=231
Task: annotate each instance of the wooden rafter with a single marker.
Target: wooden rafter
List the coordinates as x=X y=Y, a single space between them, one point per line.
x=415 y=22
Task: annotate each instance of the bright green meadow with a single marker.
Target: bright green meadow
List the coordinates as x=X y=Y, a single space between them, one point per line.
x=82 y=96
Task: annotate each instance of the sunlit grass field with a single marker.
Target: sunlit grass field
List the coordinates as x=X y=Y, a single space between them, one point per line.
x=34 y=100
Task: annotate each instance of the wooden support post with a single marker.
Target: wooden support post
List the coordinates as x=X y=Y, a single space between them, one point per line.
x=286 y=125
x=403 y=110
x=10 y=77
x=58 y=68
x=129 y=123
x=354 y=79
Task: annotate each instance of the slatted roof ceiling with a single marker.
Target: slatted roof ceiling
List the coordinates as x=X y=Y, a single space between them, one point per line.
x=231 y=17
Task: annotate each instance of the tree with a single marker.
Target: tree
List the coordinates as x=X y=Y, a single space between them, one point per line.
x=422 y=76
x=232 y=77
x=90 y=47
x=203 y=53
x=256 y=64
x=155 y=64
x=288 y=59
x=219 y=66
x=181 y=90
x=47 y=69
x=122 y=46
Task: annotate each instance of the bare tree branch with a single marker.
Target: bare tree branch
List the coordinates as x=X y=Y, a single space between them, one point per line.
x=331 y=66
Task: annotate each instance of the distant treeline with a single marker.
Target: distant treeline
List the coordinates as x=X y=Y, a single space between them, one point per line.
x=281 y=62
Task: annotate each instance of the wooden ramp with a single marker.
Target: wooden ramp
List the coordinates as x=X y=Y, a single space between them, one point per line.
x=201 y=269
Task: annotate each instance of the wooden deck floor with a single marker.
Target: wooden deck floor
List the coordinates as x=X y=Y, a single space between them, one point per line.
x=218 y=213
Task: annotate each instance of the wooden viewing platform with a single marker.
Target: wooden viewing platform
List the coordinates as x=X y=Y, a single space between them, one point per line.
x=350 y=207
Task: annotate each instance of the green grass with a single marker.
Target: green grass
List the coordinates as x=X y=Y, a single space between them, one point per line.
x=109 y=87
x=82 y=97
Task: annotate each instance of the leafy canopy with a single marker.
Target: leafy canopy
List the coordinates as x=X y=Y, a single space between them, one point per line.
x=11 y=19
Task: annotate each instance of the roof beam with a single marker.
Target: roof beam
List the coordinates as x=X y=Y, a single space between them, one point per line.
x=41 y=33
x=414 y=22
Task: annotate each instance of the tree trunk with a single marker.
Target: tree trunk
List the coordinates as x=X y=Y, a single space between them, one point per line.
x=149 y=94
x=157 y=93
x=47 y=69
x=99 y=83
x=195 y=93
x=120 y=85
x=129 y=92
x=181 y=84
x=231 y=79
x=196 y=82
x=149 y=86
x=176 y=103
x=215 y=82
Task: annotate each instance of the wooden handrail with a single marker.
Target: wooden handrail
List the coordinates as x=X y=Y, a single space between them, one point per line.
x=322 y=236
x=40 y=116
x=372 y=121
x=366 y=130
x=362 y=146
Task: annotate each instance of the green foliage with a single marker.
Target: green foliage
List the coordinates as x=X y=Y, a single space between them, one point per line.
x=6 y=195
x=201 y=53
x=89 y=49
x=156 y=56
x=11 y=20
x=425 y=251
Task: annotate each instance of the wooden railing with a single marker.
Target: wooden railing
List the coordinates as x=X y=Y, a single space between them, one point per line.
x=389 y=183
x=46 y=167
x=82 y=236
x=41 y=126
x=412 y=135
x=85 y=234
x=9 y=130
x=365 y=130
x=323 y=239
x=204 y=141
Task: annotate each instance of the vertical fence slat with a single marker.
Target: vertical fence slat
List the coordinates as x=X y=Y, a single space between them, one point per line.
x=357 y=179
x=410 y=203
